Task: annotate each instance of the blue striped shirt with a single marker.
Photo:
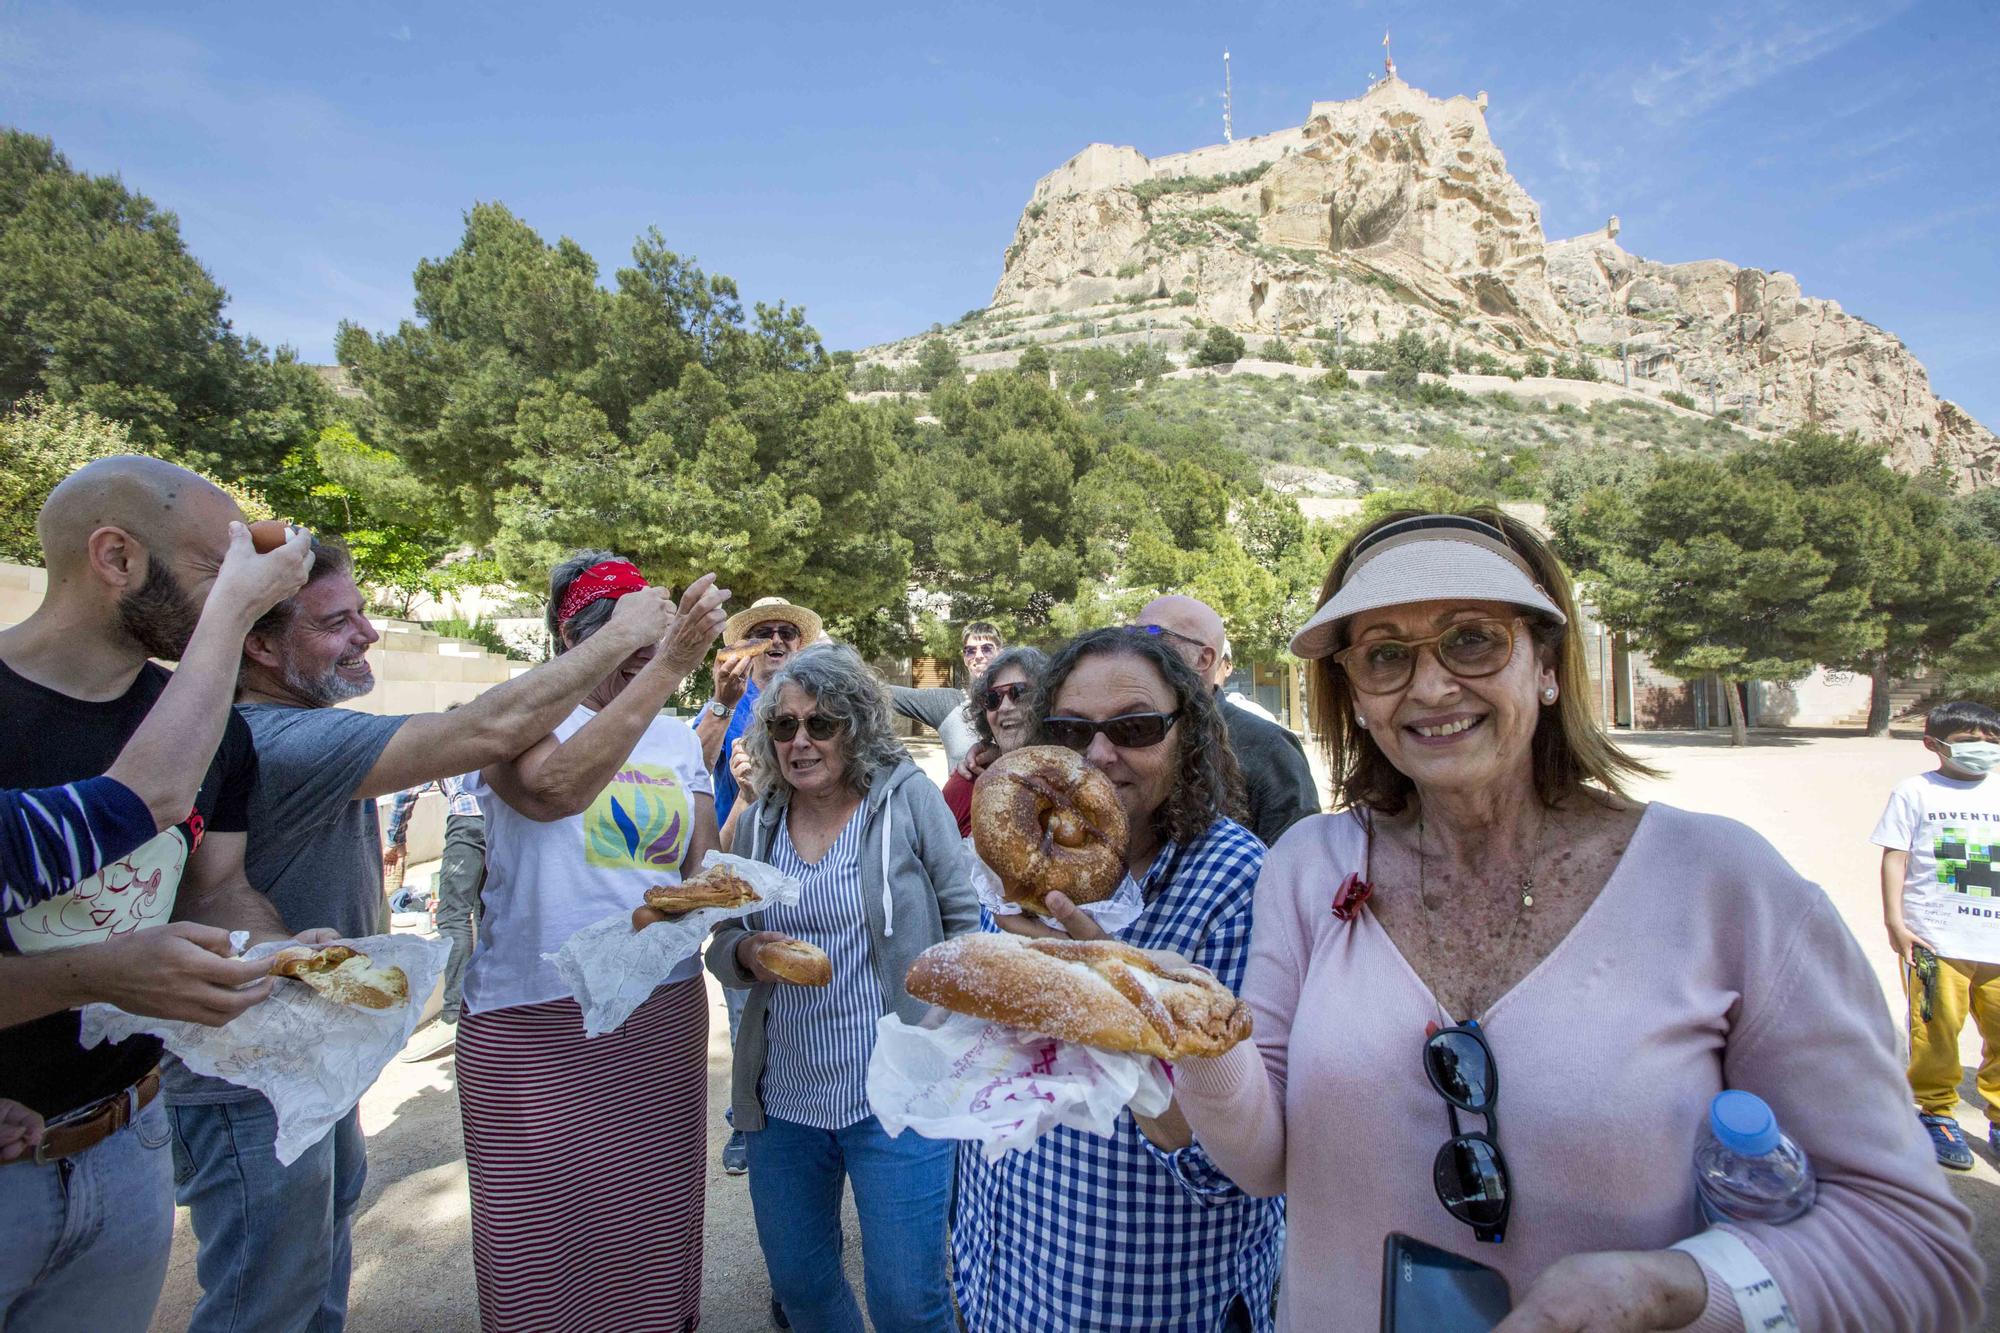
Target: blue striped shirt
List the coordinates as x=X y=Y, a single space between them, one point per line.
x=53 y=837
x=1110 y=1233
x=818 y=1038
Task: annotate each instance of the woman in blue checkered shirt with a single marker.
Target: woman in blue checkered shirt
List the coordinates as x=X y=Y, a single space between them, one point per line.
x=1138 y=1230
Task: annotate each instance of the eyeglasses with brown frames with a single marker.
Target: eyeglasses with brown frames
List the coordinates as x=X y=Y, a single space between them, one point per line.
x=1469 y=649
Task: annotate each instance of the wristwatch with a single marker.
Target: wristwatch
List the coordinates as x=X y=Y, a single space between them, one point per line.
x=720 y=709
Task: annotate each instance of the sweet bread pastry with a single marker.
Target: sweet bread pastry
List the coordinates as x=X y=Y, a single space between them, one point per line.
x=717 y=886
x=796 y=961
x=343 y=975
x=1045 y=822
x=1101 y=993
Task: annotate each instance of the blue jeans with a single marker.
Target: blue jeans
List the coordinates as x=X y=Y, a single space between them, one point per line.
x=902 y=1187
x=276 y=1249
x=84 y=1241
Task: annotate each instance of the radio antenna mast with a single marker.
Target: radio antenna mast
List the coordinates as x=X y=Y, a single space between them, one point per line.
x=1228 y=134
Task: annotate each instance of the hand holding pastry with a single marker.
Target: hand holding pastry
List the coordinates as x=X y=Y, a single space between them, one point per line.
x=732 y=670
x=696 y=623
x=747 y=950
x=795 y=961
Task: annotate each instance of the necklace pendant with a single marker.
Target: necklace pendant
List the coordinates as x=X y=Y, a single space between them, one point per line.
x=1527 y=900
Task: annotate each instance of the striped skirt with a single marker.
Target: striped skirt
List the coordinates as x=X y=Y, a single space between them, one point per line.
x=588 y=1160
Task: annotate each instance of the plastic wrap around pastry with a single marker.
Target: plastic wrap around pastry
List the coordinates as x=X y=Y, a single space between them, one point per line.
x=1046 y=822
x=796 y=961
x=344 y=976
x=718 y=886
x=1100 y=993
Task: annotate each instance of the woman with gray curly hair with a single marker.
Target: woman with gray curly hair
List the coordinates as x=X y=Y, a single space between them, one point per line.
x=843 y=810
x=1138 y=1229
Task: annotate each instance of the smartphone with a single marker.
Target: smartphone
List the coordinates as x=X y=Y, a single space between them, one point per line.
x=1428 y=1290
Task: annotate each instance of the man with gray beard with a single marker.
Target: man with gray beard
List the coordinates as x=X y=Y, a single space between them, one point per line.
x=275 y=1243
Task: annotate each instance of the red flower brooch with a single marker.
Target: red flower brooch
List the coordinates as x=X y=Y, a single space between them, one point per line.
x=1353 y=892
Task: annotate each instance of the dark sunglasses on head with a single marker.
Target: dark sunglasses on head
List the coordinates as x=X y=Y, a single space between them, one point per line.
x=1470 y=649
x=1127 y=731
x=1468 y=1173
x=784 y=726
x=999 y=694
x=780 y=630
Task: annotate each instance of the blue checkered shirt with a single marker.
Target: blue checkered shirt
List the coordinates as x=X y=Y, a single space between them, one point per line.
x=1088 y=1232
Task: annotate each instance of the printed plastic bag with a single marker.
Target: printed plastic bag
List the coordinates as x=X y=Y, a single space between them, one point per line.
x=1000 y=1087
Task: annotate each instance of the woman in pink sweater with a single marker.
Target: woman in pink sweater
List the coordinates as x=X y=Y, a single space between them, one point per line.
x=1623 y=963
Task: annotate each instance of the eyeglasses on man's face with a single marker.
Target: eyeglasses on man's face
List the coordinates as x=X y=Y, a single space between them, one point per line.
x=782 y=630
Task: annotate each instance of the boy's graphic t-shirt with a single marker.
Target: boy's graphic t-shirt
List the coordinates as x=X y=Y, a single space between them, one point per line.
x=1951 y=891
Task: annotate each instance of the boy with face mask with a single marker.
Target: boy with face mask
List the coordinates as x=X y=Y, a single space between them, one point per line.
x=1940 y=841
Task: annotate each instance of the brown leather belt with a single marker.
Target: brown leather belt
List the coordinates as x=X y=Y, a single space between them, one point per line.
x=88 y=1126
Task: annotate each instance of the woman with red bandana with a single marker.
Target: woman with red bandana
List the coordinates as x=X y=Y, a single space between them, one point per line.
x=586 y=1157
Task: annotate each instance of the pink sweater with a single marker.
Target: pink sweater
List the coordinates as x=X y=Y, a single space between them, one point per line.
x=1707 y=963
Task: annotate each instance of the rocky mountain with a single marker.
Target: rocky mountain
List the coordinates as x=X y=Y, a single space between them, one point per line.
x=1395 y=211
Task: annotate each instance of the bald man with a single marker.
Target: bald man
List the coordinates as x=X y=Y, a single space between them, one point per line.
x=132 y=547
x=1276 y=778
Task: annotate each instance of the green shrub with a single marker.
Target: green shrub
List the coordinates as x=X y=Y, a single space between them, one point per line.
x=1679 y=399
x=1220 y=348
x=1537 y=366
x=1184 y=298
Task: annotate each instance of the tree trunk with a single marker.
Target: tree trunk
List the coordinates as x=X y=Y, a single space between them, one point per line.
x=1878 y=698
x=1739 y=731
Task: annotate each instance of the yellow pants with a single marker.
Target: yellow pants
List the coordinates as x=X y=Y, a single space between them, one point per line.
x=1962 y=988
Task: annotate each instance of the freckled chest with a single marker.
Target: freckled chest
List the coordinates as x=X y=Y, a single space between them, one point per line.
x=1465 y=933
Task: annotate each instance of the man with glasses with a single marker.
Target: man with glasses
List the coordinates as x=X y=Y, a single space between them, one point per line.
x=943 y=709
x=784 y=629
x=1276 y=778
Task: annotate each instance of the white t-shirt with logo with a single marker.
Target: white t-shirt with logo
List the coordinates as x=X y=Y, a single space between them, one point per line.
x=546 y=881
x=1951 y=891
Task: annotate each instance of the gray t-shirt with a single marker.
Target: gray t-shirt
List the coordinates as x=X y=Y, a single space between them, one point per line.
x=942 y=710
x=313 y=849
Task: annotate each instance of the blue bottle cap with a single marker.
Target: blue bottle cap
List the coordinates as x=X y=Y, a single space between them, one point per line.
x=1742 y=1123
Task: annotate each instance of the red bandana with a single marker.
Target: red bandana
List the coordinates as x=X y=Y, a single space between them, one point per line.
x=612 y=578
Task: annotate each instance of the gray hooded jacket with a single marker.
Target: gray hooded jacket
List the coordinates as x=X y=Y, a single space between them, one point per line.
x=914 y=893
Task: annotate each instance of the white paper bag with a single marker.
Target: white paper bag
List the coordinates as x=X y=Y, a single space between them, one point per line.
x=311 y=1056
x=1115 y=913
x=1000 y=1087
x=611 y=969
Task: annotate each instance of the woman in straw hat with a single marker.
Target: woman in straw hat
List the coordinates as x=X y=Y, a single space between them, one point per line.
x=1492 y=899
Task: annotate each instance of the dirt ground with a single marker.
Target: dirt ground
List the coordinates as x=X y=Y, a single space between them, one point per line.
x=1816 y=797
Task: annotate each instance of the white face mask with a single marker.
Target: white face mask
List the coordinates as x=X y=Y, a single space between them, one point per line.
x=1974 y=756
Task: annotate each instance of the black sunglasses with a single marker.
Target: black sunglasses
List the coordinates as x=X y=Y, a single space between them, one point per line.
x=784 y=631
x=784 y=726
x=1000 y=694
x=1127 y=731
x=1469 y=1173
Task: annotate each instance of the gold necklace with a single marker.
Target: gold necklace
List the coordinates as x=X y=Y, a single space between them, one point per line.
x=1527 y=878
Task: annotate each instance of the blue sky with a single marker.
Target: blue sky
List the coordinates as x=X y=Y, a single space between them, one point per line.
x=870 y=161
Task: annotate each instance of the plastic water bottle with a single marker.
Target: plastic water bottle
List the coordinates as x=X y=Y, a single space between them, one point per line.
x=1745 y=1169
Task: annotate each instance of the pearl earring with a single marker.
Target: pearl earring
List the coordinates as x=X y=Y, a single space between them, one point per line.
x=1549 y=695
x=1361 y=721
